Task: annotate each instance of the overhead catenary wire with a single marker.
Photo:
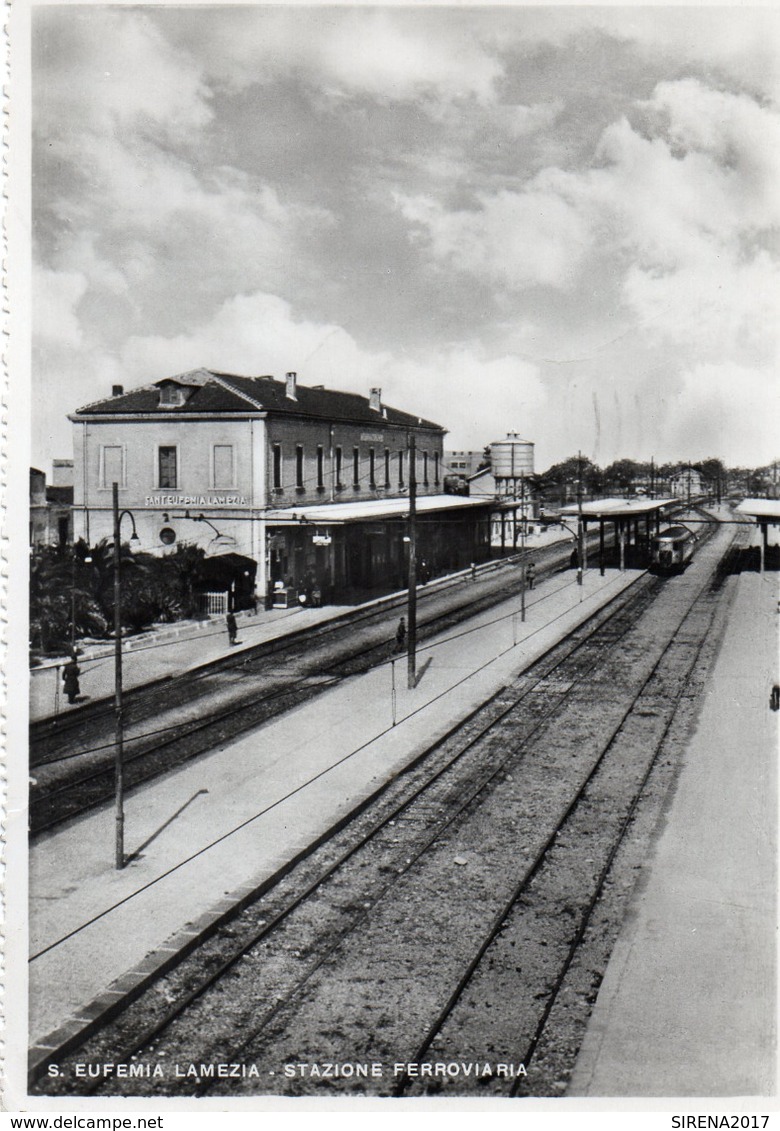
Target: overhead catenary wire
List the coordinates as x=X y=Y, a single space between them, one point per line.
x=286 y=690
x=273 y=805
x=290 y=688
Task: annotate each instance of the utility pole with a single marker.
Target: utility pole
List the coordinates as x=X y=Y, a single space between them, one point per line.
x=523 y=574
x=580 y=538
x=332 y=465
x=411 y=608
x=118 y=721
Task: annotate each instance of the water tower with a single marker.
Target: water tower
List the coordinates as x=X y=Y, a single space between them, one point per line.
x=512 y=461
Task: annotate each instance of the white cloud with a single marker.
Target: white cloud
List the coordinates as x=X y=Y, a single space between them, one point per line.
x=107 y=69
x=727 y=408
x=716 y=307
x=253 y=335
x=518 y=239
x=649 y=271
x=57 y=295
x=460 y=387
x=350 y=51
x=740 y=43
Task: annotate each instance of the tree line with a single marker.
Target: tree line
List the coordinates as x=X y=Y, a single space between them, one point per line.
x=625 y=475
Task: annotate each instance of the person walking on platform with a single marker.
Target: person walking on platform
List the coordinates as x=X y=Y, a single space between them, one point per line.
x=70 y=678
x=400 y=636
x=232 y=628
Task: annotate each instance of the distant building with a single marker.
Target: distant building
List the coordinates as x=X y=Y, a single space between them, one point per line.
x=686 y=482
x=464 y=463
x=288 y=485
x=51 y=520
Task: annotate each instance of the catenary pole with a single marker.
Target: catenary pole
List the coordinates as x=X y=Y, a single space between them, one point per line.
x=523 y=570
x=411 y=611
x=118 y=721
x=580 y=538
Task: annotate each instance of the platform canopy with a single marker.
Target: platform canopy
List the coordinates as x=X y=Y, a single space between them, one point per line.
x=761 y=510
x=618 y=508
x=326 y=514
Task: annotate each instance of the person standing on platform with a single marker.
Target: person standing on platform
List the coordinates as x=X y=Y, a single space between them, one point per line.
x=70 y=678
x=400 y=636
x=530 y=575
x=232 y=628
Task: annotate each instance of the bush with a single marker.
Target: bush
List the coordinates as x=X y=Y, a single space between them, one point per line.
x=76 y=579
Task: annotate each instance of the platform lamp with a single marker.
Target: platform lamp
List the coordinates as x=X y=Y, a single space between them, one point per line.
x=118 y=721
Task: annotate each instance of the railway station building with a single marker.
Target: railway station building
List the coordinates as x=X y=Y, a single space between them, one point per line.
x=286 y=487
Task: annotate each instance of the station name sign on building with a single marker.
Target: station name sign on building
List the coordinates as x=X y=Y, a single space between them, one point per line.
x=196 y=501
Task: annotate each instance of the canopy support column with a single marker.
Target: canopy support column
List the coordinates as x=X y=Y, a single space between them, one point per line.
x=601 y=546
x=622 y=540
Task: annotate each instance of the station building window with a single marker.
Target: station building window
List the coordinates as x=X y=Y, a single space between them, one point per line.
x=387 y=467
x=356 y=467
x=400 y=469
x=277 y=466
x=112 y=465
x=372 y=468
x=425 y=468
x=320 y=467
x=436 y=469
x=339 y=468
x=168 y=466
x=223 y=467
x=299 y=466
x=171 y=394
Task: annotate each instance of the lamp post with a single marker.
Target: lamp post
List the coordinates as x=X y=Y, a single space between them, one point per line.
x=118 y=722
x=411 y=602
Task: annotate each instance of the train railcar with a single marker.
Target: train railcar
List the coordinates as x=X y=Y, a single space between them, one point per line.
x=672 y=549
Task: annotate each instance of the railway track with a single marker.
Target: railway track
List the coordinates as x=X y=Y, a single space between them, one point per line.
x=250 y=689
x=363 y=887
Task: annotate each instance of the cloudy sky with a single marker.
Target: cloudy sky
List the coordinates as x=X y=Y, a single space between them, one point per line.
x=557 y=220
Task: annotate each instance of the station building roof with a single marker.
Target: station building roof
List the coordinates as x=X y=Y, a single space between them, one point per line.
x=371 y=509
x=212 y=393
x=618 y=508
x=766 y=509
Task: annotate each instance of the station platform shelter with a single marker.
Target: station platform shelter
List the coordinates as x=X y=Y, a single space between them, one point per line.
x=635 y=521
x=765 y=513
x=347 y=551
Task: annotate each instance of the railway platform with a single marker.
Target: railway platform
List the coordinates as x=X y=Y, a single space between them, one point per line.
x=174 y=649
x=687 y=1006
x=211 y=832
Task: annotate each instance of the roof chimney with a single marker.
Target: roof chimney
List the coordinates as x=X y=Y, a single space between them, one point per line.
x=375 y=400
x=117 y=390
x=291 y=379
